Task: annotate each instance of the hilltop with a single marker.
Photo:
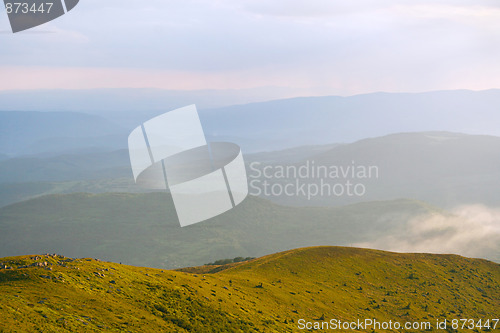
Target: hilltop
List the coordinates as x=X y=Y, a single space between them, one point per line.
x=268 y=294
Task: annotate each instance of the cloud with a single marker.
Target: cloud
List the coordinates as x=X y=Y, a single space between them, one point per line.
x=320 y=46
x=36 y=78
x=472 y=231
x=334 y=9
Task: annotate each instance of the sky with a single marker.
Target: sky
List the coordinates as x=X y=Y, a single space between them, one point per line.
x=296 y=48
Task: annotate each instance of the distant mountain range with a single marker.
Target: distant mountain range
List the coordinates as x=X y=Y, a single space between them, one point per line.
x=67 y=167
x=282 y=292
x=92 y=165
x=129 y=103
x=287 y=123
x=444 y=169
x=24 y=133
x=256 y=127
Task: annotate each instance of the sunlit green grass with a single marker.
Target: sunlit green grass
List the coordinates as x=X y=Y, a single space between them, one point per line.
x=268 y=294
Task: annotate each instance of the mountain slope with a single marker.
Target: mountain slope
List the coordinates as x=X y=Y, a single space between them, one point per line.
x=444 y=169
x=142 y=229
x=67 y=167
x=39 y=132
x=270 y=294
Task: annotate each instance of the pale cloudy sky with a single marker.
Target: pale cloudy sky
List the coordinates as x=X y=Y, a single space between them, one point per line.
x=315 y=47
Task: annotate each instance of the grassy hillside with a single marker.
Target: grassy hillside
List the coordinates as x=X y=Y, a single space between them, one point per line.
x=142 y=229
x=269 y=294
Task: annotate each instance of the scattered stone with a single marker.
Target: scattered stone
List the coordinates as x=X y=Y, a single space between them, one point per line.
x=40 y=264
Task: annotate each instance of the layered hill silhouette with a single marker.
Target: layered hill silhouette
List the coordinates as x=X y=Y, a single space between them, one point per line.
x=291 y=122
x=268 y=294
x=442 y=168
x=29 y=132
x=142 y=229
x=67 y=167
x=270 y=125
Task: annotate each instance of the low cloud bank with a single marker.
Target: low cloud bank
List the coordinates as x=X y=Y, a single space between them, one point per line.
x=471 y=231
